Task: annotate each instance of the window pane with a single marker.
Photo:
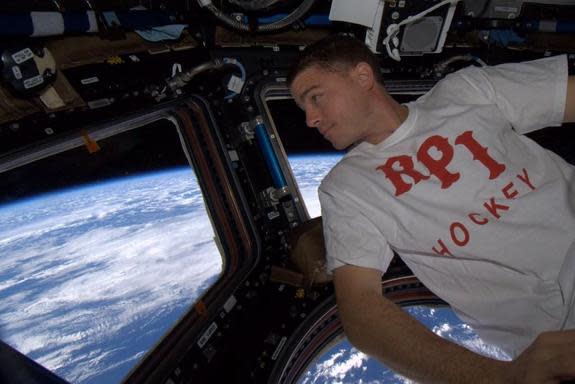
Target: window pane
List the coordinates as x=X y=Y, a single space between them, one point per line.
x=309 y=170
x=94 y=273
x=342 y=363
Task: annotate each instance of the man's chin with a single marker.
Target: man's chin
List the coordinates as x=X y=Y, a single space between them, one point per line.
x=334 y=145
x=338 y=146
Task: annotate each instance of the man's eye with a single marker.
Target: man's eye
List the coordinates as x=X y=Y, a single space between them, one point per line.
x=315 y=98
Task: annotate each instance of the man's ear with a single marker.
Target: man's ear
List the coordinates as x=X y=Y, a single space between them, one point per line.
x=363 y=74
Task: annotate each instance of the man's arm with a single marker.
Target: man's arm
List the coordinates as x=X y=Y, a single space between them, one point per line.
x=569 y=116
x=381 y=329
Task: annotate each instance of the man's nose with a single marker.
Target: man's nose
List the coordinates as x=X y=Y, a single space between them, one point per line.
x=312 y=118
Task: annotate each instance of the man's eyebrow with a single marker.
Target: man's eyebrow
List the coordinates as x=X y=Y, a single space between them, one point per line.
x=305 y=93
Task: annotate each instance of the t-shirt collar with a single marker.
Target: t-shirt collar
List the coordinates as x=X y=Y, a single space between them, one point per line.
x=396 y=136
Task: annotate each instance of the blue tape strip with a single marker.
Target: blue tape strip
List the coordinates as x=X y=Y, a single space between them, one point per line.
x=312 y=20
x=270 y=156
x=76 y=22
x=565 y=27
x=16 y=24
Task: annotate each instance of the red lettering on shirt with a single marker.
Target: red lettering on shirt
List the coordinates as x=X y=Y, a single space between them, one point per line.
x=478 y=219
x=463 y=232
x=525 y=178
x=395 y=176
x=436 y=154
x=438 y=168
x=508 y=192
x=443 y=251
x=480 y=153
x=492 y=207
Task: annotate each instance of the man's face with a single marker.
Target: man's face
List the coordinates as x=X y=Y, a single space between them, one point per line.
x=334 y=103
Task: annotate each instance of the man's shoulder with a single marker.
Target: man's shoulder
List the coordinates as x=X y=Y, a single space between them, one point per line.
x=343 y=172
x=453 y=89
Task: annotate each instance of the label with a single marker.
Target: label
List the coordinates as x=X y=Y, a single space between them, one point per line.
x=235 y=84
x=89 y=80
x=33 y=81
x=17 y=73
x=99 y=103
x=233 y=155
x=230 y=303
x=207 y=334
x=506 y=9
x=22 y=56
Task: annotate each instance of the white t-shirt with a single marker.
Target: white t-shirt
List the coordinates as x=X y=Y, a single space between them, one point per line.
x=482 y=215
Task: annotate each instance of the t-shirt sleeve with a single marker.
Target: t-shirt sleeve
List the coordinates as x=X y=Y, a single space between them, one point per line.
x=350 y=237
x=531 y=95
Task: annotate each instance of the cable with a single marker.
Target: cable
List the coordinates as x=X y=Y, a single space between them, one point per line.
x=393 y=29
x=178 y=80
x=231 y=93
x=442 y=66
x=479 y=61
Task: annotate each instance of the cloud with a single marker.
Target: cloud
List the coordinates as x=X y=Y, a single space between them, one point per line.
x=442 y=329
x=336 y=367
x=92 y=271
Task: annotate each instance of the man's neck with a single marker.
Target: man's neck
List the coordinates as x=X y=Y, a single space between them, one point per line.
x=386 y=117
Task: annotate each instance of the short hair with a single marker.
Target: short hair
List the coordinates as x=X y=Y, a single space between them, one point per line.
x=329 y=52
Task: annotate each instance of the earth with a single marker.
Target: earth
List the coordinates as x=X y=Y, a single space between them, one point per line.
x=92 y=277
